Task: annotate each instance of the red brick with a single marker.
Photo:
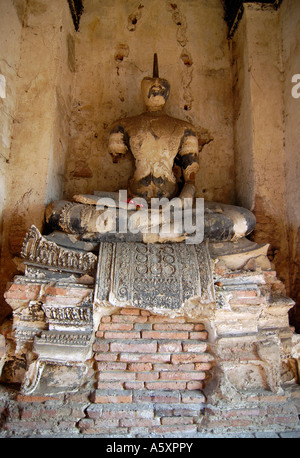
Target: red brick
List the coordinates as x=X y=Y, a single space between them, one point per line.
x=109 y=385
x=139 y=347
x=174 y=367
x=165 y=319
x=117 y=375
x=201 y=335
x=145 y=412
x=63 y=301
x=169 y=347
x=134 y=385
x=138 y=367
x=34 y=426
x=269 y=398
x=29 y=398
x=173 y=327
x=115 y=327
x=164 y=429
x=192 y=397
x=128 y=319
x=194 y=347
x=195 y=385
x=145 y=313
x=177 y=421
x=140 y=422
x=103 y=430
x=181 y=375
x=190 y=358
x=68 y=291
x=130 y=311
x=199 y=327
x=30 y=413
x=121 y=335
x=244 y=293
x=166 y=385
x=92 y=426
x=203 y=366
x=106 y=356
x=118 y=397
x=243 y=413
x=100 y=346
x=105 y=319
x=165 y=335
x=121 y=414
x=147 y=376
x=111 y=366
x=293 y=420
x=147 y=358
x=24 y=292
x=94 y=412
x=159 y=397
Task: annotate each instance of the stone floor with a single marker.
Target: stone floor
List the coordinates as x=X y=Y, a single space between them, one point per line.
x=240 y=435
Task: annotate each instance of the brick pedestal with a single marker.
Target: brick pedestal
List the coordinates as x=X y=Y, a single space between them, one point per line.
x=226 y=367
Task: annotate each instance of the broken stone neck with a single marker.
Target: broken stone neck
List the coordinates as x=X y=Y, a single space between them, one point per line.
x=155 y=109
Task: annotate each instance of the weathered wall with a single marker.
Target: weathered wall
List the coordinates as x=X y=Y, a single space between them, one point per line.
x=38 y=96
x=10 y=35
x=259 y=129
x=114 y=51
x=290 y=26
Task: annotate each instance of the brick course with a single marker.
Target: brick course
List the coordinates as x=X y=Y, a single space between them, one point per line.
x=145 y=361
x=149 y=375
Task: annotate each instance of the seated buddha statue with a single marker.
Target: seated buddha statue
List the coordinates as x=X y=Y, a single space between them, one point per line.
x=165 y=153
x=165 y=149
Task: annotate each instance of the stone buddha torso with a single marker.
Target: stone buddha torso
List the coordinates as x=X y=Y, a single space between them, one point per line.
x=163 y=148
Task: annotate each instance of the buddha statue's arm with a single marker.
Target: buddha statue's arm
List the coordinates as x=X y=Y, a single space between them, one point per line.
x=189 y=163
x=118 y=143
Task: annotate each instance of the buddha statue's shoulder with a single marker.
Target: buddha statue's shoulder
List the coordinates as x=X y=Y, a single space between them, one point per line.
x=144 y=120
x=128 y=122
x=184 y=126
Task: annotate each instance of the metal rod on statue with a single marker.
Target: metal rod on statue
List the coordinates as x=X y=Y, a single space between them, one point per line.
x=155 y=67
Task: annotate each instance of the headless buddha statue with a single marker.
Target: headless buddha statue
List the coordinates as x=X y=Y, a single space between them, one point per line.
x=165 y=149
x=165 y=154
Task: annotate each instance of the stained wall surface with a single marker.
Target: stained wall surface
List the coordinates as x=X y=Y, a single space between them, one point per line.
x=36 y=62
x=290 y=29
x=259 y=128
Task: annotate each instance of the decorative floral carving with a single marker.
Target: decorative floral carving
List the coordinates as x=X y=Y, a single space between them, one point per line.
x=37 y=249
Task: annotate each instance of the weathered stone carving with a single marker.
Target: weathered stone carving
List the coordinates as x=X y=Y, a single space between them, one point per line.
x=62 y=377
x=37 y=249
x=153 y=276
x=162 y=146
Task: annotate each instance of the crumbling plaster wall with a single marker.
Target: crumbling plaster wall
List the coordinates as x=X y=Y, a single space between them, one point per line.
x=290 y=27
x=259 y=128
x=38 y=66
x=265 y=51
x=114 y=52
x=10 y=36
